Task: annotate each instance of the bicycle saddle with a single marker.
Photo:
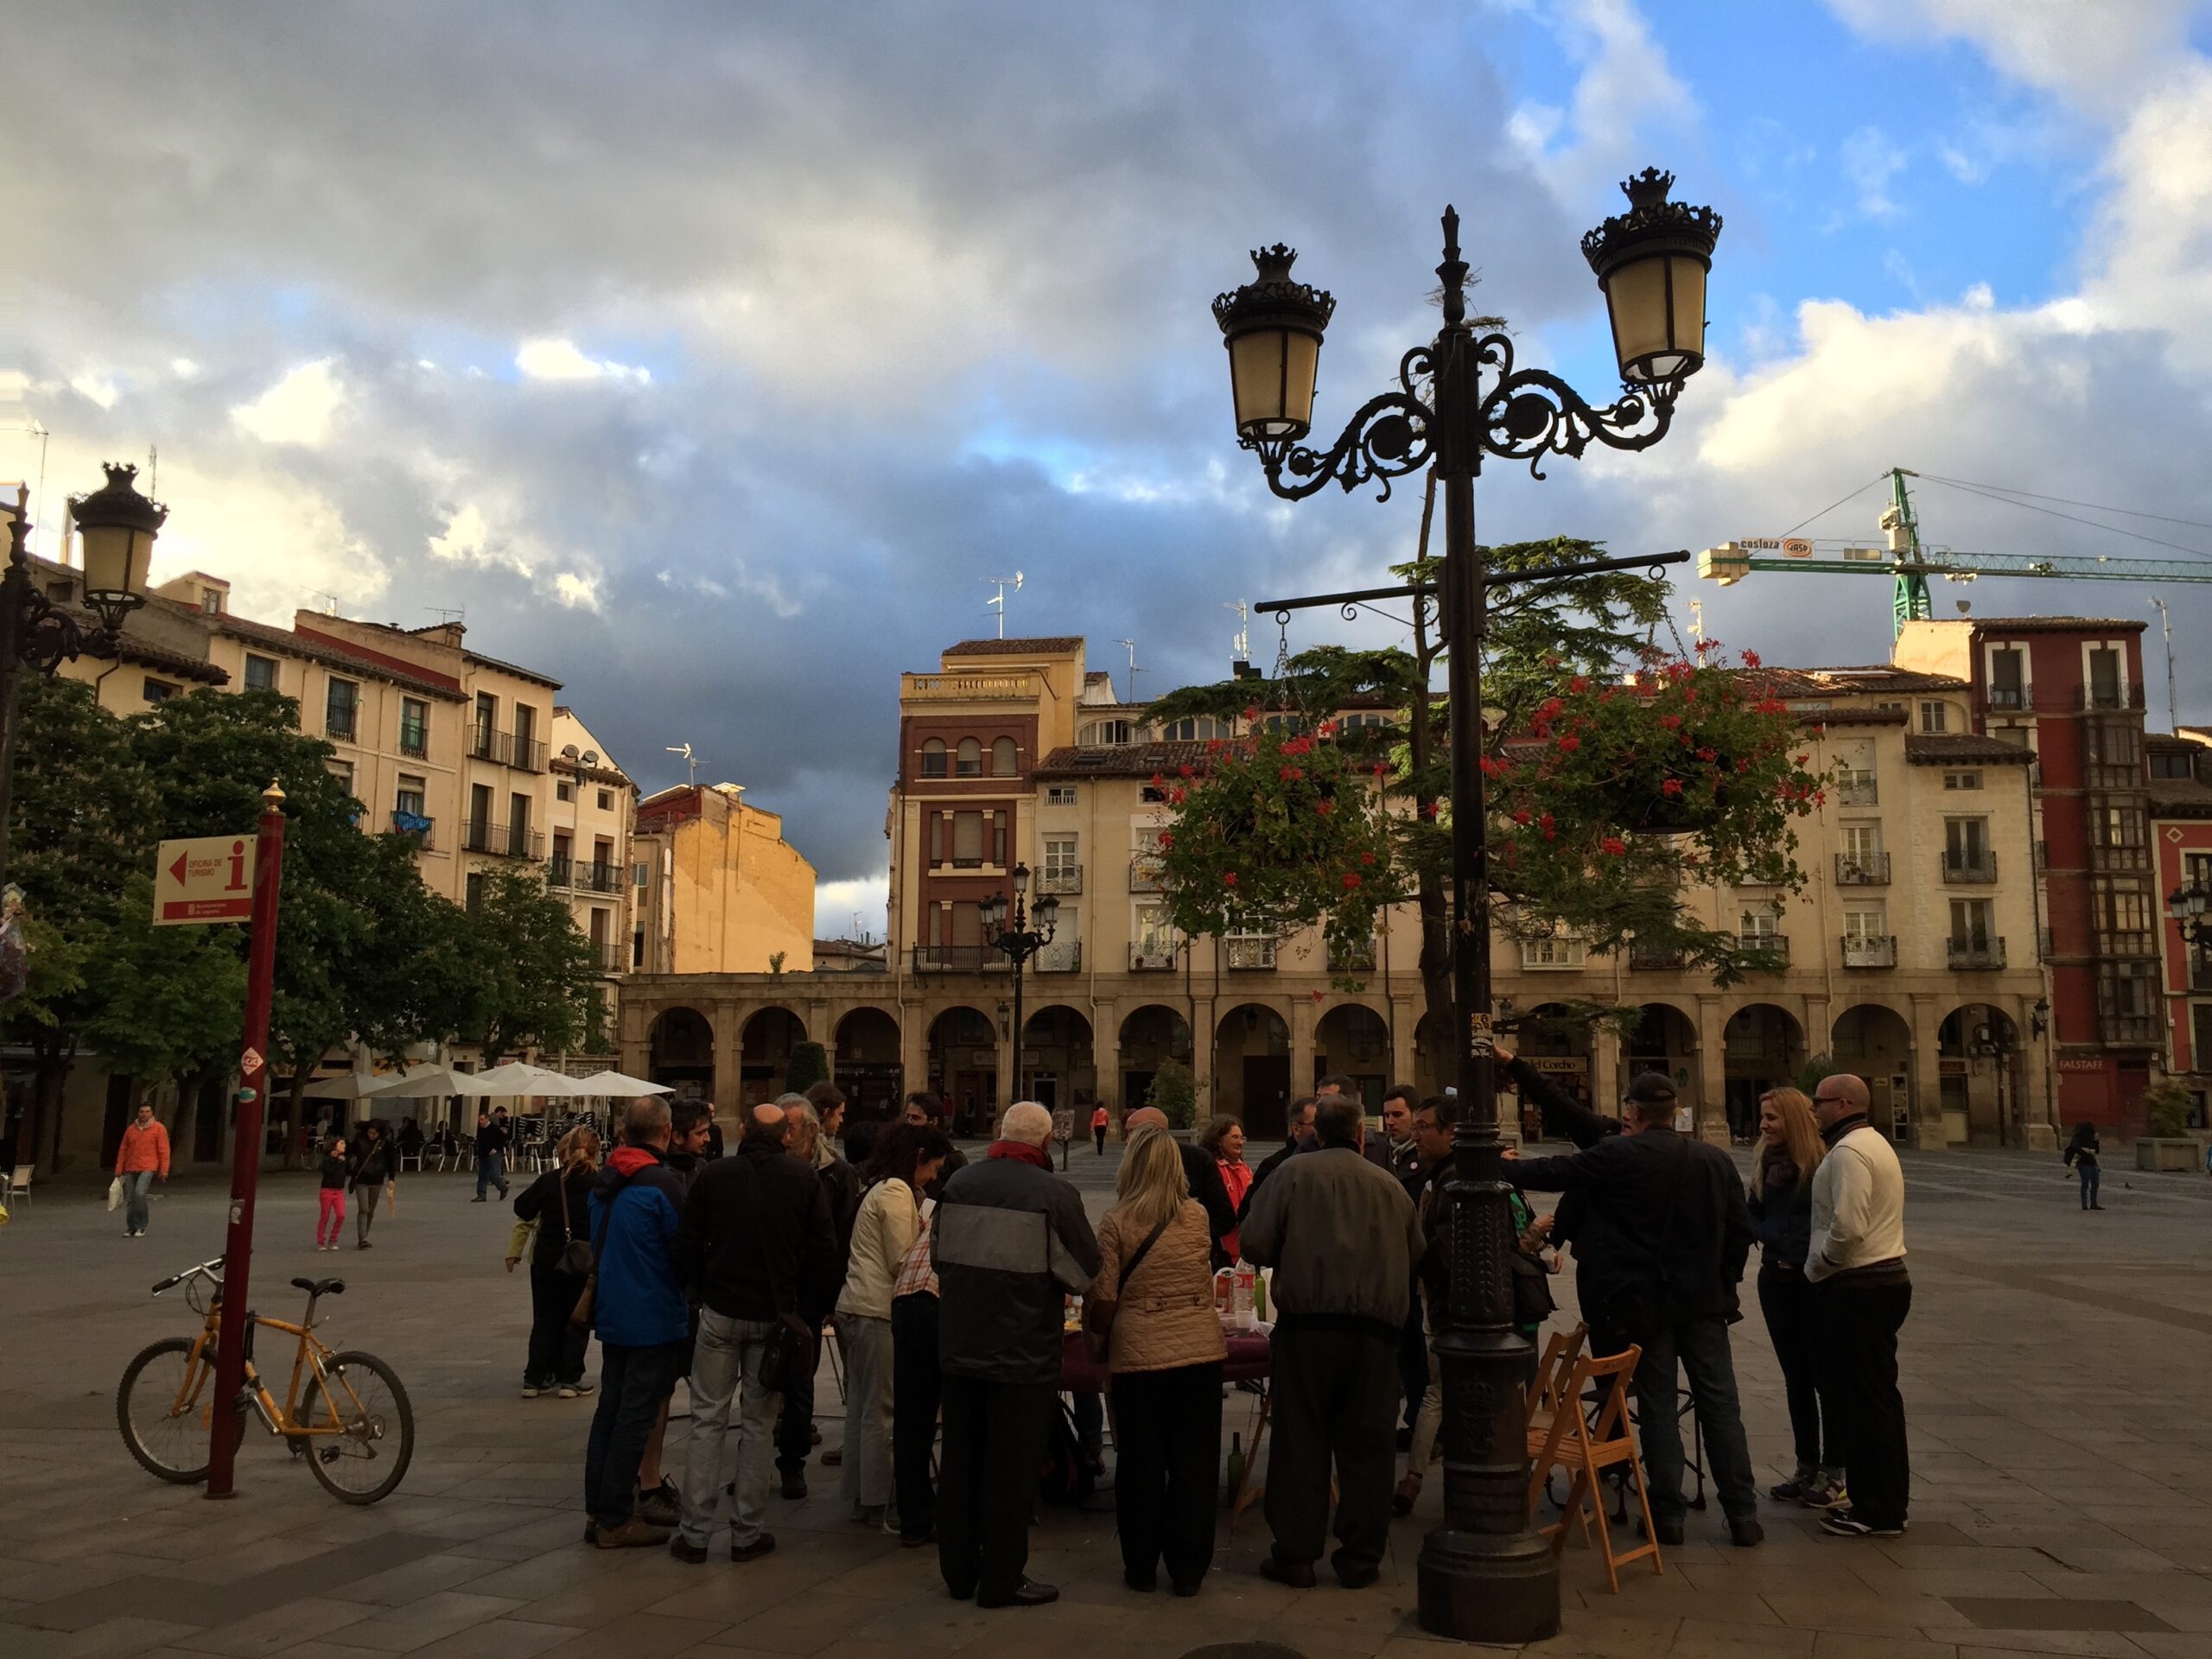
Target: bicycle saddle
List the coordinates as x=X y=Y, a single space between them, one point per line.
x=321 y=1286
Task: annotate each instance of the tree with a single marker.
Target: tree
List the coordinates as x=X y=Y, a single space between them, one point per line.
x=534 y=971
x=807 y=1065
x=169 y=1001
x=1175 y=1092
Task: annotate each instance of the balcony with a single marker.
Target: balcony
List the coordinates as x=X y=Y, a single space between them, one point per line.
x=2010 y=696
x=502 y=840
x=1152 y=960
x=1857 y=789
x=1249 y=955
x=484 y=743
x=1976 y=867
x=959 y=959
x=414 y=741
x=423 y=830
x=614 y=956
x=1067 y=878
x=2107 y=696
x=2131 y=1030
x=2110 y=859
x=971 y=688
x=1975 y=952
x=1352 y=959
x=1865 y=950
x=527 y=754
x=562 y=871
x=1773 y=944
x=1650 y=958
x=341 y=724
x=1867 y=870
x=2124 y=942
x=505 y=749
x=1148 y=874
x=1060 y=956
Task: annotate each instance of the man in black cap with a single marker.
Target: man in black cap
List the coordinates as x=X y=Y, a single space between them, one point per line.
x=1660 y=1242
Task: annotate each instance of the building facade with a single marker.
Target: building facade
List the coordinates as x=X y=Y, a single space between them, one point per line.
x=718 y=889
x=2180 y=786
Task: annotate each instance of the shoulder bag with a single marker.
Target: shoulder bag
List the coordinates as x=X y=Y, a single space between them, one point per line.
x=789 y=1356
x=1098 y=1311
x=577 y=1257
x=579 y=1315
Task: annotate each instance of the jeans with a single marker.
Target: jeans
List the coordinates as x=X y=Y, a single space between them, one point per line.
x=330 y=1215
x=726 y=1374
x=1700 y=1342
x=916 y=1384
x=1791 y=1307
x=633 y=1384
x=492 y=1171
x=995 y=1438
x=556 y=1347
x=365 y=1208
x=136 y=1211
x=2090 y=1175
x=1167 y=1431
x=1335 y=1401
x=1860 y=1356
x=865 y=1479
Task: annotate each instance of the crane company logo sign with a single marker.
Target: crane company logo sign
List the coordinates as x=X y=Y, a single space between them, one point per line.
x=209 y=880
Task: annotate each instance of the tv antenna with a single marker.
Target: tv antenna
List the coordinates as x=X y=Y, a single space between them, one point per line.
x=1244 y=628
x=330 y=603
x=448 y=614
x=2173 y=703
x=1134 y=669
x=689 y=759
x=37 y=429
x=997 y=602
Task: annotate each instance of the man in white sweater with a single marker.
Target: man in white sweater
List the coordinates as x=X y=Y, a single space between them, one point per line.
x=1858 y=1261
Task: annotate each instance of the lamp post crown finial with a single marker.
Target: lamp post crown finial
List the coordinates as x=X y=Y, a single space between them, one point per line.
x=1648 y=188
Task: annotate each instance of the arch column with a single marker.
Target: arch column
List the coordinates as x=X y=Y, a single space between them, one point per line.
x=1303 y=1018
x=1202 y=1038
x=729 y=1063
x=1606 y=1083
x=913 y=1048
x=1711 y=1070
x=1928 y=1132
x=1405 y=1015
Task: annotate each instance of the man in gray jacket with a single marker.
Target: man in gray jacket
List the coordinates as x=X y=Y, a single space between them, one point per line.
x=1341 y=1235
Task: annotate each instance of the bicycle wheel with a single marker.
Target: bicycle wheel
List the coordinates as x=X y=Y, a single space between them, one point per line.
x=162 y=1407
x=373 y=1439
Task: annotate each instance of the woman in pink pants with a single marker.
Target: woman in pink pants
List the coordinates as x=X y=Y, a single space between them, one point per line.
x=332 y=1220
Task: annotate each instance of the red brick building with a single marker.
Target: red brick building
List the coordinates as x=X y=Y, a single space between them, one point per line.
x=2181 y=839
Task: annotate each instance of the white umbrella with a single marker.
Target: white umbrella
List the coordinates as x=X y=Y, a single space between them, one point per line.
x=612 y=1085
x=355 y=1085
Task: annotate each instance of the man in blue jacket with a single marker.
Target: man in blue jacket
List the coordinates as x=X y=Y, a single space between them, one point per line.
x=642 y=1318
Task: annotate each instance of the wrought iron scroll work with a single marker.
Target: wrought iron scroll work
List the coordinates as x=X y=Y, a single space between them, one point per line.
x=1528 y=414
x=1390 y=437
x=46 y=636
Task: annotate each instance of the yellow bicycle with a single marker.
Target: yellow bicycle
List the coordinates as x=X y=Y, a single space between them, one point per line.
x=346 y=1414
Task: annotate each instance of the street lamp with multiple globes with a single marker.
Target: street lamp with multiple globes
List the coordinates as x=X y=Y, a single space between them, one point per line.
x=2187 y=905
x=1484 y=1574
x=1020 y=941
x=116 y=527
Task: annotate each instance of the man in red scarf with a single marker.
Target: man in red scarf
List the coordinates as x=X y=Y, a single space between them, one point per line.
x=1010 y=1241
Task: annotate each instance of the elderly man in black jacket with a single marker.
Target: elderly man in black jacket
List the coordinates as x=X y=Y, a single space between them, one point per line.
x=1010 y=1241
x=1659 y=1246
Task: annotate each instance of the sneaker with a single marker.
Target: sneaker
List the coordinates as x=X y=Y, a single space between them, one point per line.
x=478 y=1198
x=636 y=1533
x=661 y=1506
x=576 y=1390
x=753 y=1551
x=531 y=1390
x=1826 y=1492
x=1845 y=1524
x=1793 y=1489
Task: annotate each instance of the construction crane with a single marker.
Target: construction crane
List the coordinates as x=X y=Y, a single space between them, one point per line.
x=1909 y=563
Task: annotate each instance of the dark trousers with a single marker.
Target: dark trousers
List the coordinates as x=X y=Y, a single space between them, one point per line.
x=1100 y=1136
x=795 y=1429
x=1791 y=1307
x=1335 y=1401
x=916 y=1383
x=633 y=1382
x=1859 y=1324
x=1699 y=1344
x=556 y=1347
x=1167 y=1441
x=2090 y=1175
x=1413 y=1359
x=995 y=1438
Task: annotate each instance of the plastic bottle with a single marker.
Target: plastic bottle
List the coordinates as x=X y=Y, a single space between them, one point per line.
x=1236 y=1469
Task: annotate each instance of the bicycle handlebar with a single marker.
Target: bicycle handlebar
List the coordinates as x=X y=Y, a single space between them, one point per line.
x=206 y=1269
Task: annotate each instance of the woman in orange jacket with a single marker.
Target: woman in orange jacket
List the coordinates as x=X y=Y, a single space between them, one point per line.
x=143 y=1154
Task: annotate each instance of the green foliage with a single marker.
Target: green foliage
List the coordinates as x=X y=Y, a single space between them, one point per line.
x=532 y=970
x=807 y=1065
x=1815 y=1071
x=776 y=961
x=2167 y=1104
x=1175 y=1092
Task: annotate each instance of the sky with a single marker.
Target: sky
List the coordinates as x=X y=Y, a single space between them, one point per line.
x=711 y=357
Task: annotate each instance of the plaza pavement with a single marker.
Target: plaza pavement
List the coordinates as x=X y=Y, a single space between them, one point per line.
x=2056 y=1371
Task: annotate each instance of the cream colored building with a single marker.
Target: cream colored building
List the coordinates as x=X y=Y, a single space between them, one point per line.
x=718 y=889
x=594 y=806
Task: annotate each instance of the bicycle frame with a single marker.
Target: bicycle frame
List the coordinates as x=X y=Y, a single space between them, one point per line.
x=308 y=1361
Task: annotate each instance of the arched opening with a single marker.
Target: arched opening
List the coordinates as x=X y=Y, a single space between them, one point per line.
x=1765 y=1049
x=1353 y=1039
x=1006 y=757
x=968 y=759
x=867 y=1065
x=964 y=1069
x=1979 y=1071
x=1057 y=1067
x=1150 y=1034
x=1436 y=1062
x=680 y=1052
x=1251 y=1069
x=933 y=758
x=764 y=1052
x=1555 y=1040
x=1664 y=1040
x=1873 y=1042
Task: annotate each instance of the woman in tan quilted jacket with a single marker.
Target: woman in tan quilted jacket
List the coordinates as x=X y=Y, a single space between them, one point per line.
x=1166 y=1352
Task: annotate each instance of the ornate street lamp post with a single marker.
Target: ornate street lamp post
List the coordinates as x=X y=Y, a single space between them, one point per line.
x=1020 y=941
x=1484 y=1574
x=2187 y=905
x=115 y=526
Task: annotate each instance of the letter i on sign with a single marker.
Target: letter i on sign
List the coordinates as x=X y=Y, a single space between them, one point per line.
x=238 y=867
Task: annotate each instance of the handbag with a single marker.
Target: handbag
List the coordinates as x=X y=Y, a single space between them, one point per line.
x=1098 y=1311
x=788 y=1358
x=580 y=1315
x=577 y=1259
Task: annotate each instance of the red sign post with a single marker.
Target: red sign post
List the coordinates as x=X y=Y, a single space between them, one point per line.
x=245 y=1157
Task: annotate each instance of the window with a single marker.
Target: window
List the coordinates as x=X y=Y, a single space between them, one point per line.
x=1558 y=951
x=1105 y=734
x=2020 y=737
x=564 y=791
x=998 y=840
x=642 y=873
x=2196 y=869
x=1963 y=780
x=525 y=732
x=1932 y=716
x=1006 y=757
x=606 y=800
x=1154 y=935
x=260 y=673
x=933 y=758
x=1363 y=722
x=474 y=888
x=1060 y=860
x=1288 y=725
x=2123 y=910
x=2116 y=826
x=414 y=725
x=1970 y=928
x=2104 y=679
x=936 y=839
x=211 y=601
x=343 y=771
x=1152 y=795
x=1862 y=844
x=487 y=723
x=518 y=823
x=1195 y=728
x=1864 y=922
x=341 y=706
x=967 y=759
x=1757 y=922
x=2111 y=743
x=968 y=839
x=2008 y=677
x=2173 y=763
x=159 y=691
x=1060 y=795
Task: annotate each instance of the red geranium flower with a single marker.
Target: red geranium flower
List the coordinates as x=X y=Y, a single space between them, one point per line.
x=1350 y=880
x=1569 y=745
x=1750 y=659
x=1579 y=682
x=1520 y=815
x=1228 y=878
x=1614 y=845
x=1672 y=786
x=1324 y=807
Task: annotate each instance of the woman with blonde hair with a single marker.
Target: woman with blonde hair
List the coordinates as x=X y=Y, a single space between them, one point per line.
x=559 y=1201
x=1781 y=1217
x=1164 y=1351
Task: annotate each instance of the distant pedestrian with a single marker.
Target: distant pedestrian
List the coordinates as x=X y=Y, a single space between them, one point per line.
x=143 y=1157
x=2081 y=1151
x=376 y=1170
x=559 y=1201
x=1165 y=1355
x=1857 y=1260
x=1011 y=1243
x=1222 y=1141
x=1342 y=1238
x=905 y=1161
x=757 y=1242
x=1781 y=1217
x=492 y=1138
x=640 y=1317
x=1101 y=1121
x=330 y=1216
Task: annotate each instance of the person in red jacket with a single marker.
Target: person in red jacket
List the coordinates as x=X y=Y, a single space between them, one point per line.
x=143 y=1154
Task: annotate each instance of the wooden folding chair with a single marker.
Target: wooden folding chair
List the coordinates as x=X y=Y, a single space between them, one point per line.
x=1586 y=1445
x=1548 y=1392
